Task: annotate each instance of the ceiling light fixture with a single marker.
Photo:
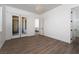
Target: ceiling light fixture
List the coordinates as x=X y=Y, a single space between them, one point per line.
x=39 y=8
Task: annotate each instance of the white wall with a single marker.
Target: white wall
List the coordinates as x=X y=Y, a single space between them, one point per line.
x=57 y=22
x=41 y=24
x=30 y=21
x=0 y=18
x=2 y=32
x=2 y=39
x=1 y=27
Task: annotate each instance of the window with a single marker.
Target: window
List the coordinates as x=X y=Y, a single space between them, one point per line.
x=36 y=23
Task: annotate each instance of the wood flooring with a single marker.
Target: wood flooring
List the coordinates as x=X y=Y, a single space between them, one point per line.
x=37 y=45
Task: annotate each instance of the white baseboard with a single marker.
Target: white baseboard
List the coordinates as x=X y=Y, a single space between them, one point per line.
x=57 y=38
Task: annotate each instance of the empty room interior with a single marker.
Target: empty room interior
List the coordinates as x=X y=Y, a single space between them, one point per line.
x=39 y=28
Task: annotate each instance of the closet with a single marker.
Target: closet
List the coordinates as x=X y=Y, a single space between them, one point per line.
x=19 y=26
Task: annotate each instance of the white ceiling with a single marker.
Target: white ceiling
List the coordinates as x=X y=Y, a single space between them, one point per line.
x=32 y=7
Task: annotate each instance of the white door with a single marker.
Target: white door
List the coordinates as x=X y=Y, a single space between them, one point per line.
x=75 y=23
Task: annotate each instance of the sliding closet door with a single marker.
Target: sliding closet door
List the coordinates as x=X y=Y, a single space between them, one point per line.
x=23 y=26
x=19 y=26
x=15 y=26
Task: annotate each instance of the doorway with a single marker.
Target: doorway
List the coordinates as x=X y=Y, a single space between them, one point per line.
x=19 y=26
x=37 y=26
